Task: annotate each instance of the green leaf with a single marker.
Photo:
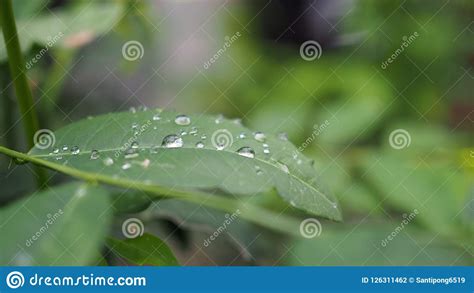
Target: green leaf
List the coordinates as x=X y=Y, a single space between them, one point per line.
x=63 y=225
x=128 y=147
x=69 y=27
x=144 y=250
x=437 y=191
x=250 y=240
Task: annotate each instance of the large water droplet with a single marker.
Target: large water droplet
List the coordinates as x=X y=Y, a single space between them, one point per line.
x=134 y=145
x=199 y=145
x=65 y=148
x=172 y=141
x=108 y=161
x=242 y=135
x=246 y=152
x=260 y=136
x=203 y=137
x=126 y=166
x=55 y=151
x=182 y=120
x=156 y=117
x=95 y=155
x=75 y=150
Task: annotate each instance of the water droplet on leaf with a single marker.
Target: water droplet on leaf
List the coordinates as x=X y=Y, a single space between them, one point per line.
x=108 y=161
x=75 y=150
x=260 y=136
x=95 y=155
x=182 y=120
x=283 y=136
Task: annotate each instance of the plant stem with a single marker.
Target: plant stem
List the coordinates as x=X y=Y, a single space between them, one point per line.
x=249 y=212
x=18 y=75
x=17 y=71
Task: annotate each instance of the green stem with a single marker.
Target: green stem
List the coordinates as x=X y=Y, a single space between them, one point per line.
x=255 y=214
x=18 y=75
x=17 y=70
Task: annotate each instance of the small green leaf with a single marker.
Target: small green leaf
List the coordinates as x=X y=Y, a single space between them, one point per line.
x=154 y=148
x=63 y=225
x=144 y=250
x=69 y=27
x=250 y=240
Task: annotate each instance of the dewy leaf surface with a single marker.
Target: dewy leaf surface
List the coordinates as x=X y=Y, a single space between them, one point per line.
x=205 y=153
x=63 y=225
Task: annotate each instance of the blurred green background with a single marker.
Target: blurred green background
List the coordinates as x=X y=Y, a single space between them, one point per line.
x=340 y=108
